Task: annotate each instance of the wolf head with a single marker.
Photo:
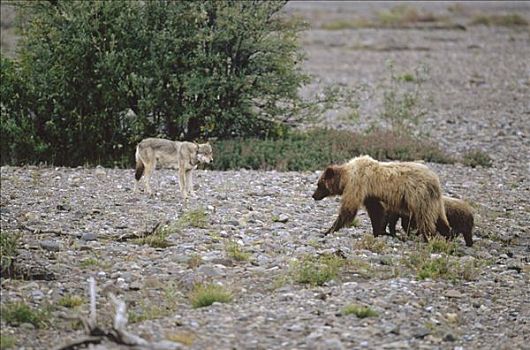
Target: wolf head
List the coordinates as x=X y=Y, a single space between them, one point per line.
x=205 y=153
x=329 y=183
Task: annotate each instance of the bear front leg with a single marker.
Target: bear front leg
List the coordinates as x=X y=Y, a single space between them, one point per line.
x=345 y=217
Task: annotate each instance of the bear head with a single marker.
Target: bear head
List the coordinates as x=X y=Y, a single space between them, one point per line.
x=329 y=183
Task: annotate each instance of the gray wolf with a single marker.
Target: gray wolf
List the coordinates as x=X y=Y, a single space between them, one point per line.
x=184 y=156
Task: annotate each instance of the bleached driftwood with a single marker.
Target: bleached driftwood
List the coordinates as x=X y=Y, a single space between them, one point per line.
x=117 y=334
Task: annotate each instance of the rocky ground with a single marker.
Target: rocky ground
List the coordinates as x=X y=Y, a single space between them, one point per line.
x=71 y=221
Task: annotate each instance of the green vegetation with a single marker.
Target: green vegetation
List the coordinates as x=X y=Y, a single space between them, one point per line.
x=439 y=244
x=371 y=243
x=70 y=301
x=217 y=69
x=8 y=251
x=475 y=158
x=317 y=270
x=206 y=294
x=194 y=218
x=234 y=251
x=194 y=261
x=403 y=105
x=7 y=341
x=359 y=311
x=19 y=312
x=158 y=239
x=149 y=310
x=88 y=262
x=183 y=337
x=317 y=148
x=507 y=20
x=434 y=261
x=399 y=16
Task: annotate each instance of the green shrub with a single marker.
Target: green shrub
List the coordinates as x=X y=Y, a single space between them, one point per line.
x=477 y=157
x=193 y=68
x=507 y=20
x=317 y=148
x=359 y=311
x=205 y=295
x=194 y=218
x=19 y=312
x=317 y=270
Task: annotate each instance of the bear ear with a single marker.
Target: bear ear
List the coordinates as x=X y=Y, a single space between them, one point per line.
x=329 y=172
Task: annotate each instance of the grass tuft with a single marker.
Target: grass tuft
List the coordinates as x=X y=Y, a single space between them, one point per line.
x=234 y=251
x=19 y=312
x=477 y=157
x=315 y=270
x=8 y=251
x=70 y=301
x=359 y=311
x=439 y=244
x=7 y=341
x=371 y=243
x=194 y=218
x=206 y=294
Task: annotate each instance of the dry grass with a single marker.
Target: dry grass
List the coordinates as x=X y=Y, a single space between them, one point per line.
x=506 y=20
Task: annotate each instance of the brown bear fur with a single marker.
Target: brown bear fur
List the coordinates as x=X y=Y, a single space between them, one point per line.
x=399 y=186
x=458 y=212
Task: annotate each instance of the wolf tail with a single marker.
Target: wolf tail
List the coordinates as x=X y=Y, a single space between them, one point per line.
x=139 y=166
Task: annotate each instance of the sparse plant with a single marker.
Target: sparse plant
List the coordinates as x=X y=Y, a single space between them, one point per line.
x=194 y=261
x=317 y=270
x=402 y=99
x=194 y=218
x=7 y=341
x=477 y=157
x=506 y=20
x=206 y=294
x=234 y=251
x=70 y=301
x=158 y=239
x=148 y=310
x=359 y=311
x=403 y=15
x=88 y=262
x=8 y=251
x=185 y=338
x=371 y=243
x=439 y=244
x=19 y=312
x=433 y=268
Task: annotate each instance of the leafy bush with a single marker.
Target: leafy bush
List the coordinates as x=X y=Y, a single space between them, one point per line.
x=186 y=69
x=315 y=149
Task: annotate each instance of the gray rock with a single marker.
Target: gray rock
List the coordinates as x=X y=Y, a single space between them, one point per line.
x=89 y=236
x=51 y=246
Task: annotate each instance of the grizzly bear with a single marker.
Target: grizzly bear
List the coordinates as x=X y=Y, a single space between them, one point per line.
x=459 y=214
x=401 y=187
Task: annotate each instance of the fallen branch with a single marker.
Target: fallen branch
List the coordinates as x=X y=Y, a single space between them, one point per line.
x=117 y=334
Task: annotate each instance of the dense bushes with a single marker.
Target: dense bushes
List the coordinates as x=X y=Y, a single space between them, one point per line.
x=187 y=69
x=317 y=148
